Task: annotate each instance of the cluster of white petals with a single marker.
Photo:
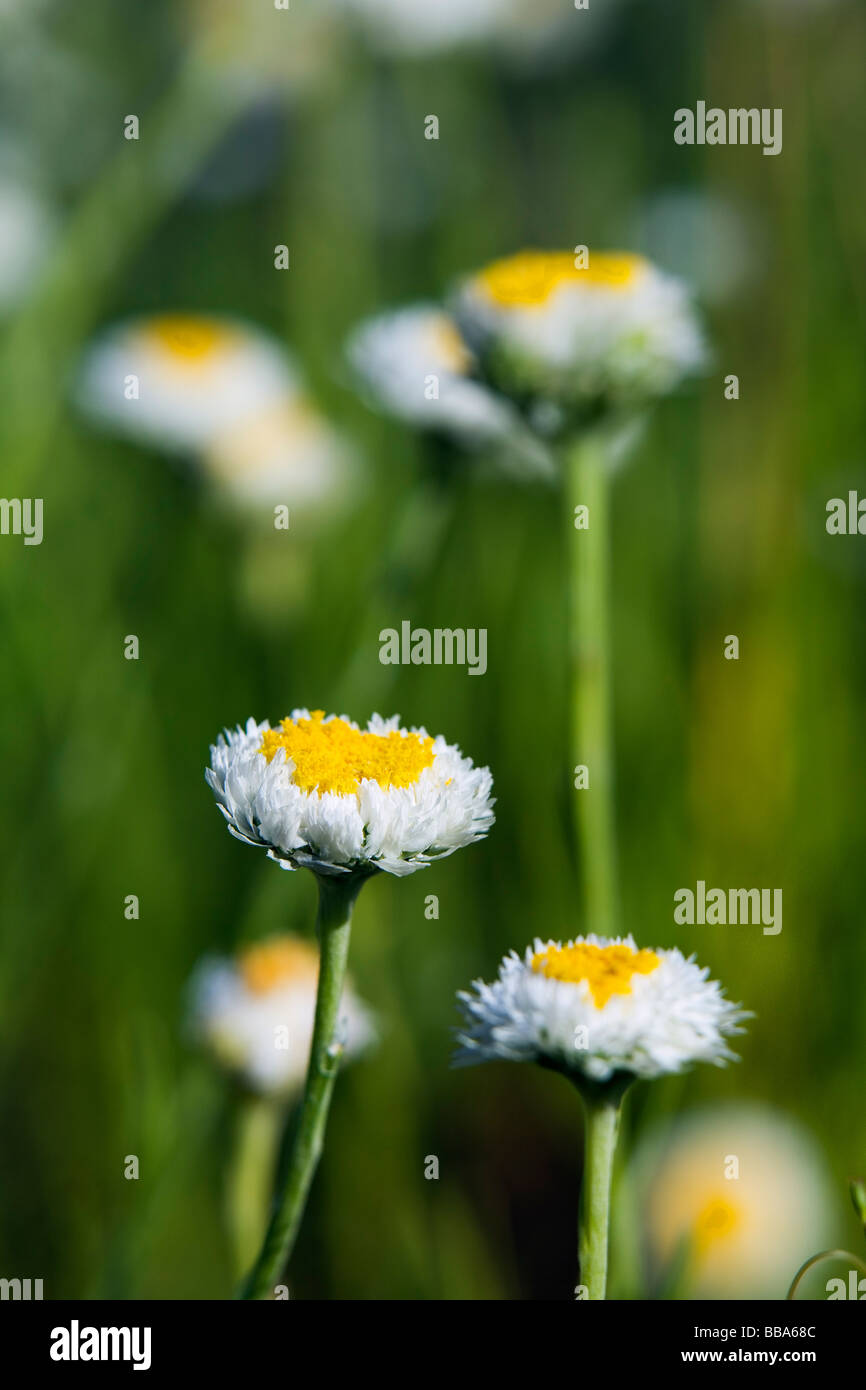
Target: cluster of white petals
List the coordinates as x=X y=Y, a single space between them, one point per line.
x=670 y=1017
x=395 y=829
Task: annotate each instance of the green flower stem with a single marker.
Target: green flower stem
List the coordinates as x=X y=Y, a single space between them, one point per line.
x=587 y=474
x=818 y=1259
x=251 y=1178
x=600 y=1135
x=333 y=924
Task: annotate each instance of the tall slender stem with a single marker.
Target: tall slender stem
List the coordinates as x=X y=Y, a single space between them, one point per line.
x=591 y=733
x=600 y=1135
x=334 y=922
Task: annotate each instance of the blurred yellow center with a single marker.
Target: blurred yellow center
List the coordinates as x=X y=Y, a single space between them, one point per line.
x=271 y=963
x=531 y=277
x=450 y=346
x=718 y=1218
x=333 y=757
x=188 y=338
x=608 y=970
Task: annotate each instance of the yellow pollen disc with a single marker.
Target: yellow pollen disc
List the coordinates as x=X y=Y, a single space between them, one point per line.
x=188 y=338
x=334 y=757
x=608 y=970
x=717 y=1219
x=275 y=962
x=450 y=346
x=531 y=277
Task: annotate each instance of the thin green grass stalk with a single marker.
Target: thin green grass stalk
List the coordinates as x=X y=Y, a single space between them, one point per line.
x=587 y=475
x=251 y=1176
x=412 y=550
x=109 y=225
x=333 y=924
x=602 y=1110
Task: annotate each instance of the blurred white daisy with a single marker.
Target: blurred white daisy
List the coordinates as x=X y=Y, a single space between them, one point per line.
x=179 y=381
x=417 y=27
x=255 y=1013
x=523 y=30
x=320 y=793
x=27 y=230
x=741 y=1195
x=556 y=334
x=415 y=366
x=596 y=1009
x=287 y=454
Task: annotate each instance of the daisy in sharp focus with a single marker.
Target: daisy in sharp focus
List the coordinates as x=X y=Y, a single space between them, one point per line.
x=255 y=1013
x=605 y=1014
x=598 y=1009
x=319 y=792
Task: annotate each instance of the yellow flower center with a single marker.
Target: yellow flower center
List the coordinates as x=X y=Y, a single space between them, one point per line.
x=189 y=339
x=274 y=962
x=717 y=1219
x=531 y=277
x=333 y=757
x=608 y=970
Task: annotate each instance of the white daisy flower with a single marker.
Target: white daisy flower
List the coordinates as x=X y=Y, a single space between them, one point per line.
x=741 y=1195
x=320 y=793
x=418 y=368
x=617 y=332
x=179 y=381
x=287 y=454
x=597 y=1008
x=27 y=231
x=255 y=1013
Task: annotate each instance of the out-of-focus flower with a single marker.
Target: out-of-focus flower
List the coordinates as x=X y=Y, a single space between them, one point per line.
x=740 y=1194
x=27 y=231
x=287 y=454
x=255 y=1013
x=228 y=394
x=320 y=793
x=523 y=30
x=178 y=381
x=561 y=336
x=598 y=1009
x=415 y=365
x=418 y=27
